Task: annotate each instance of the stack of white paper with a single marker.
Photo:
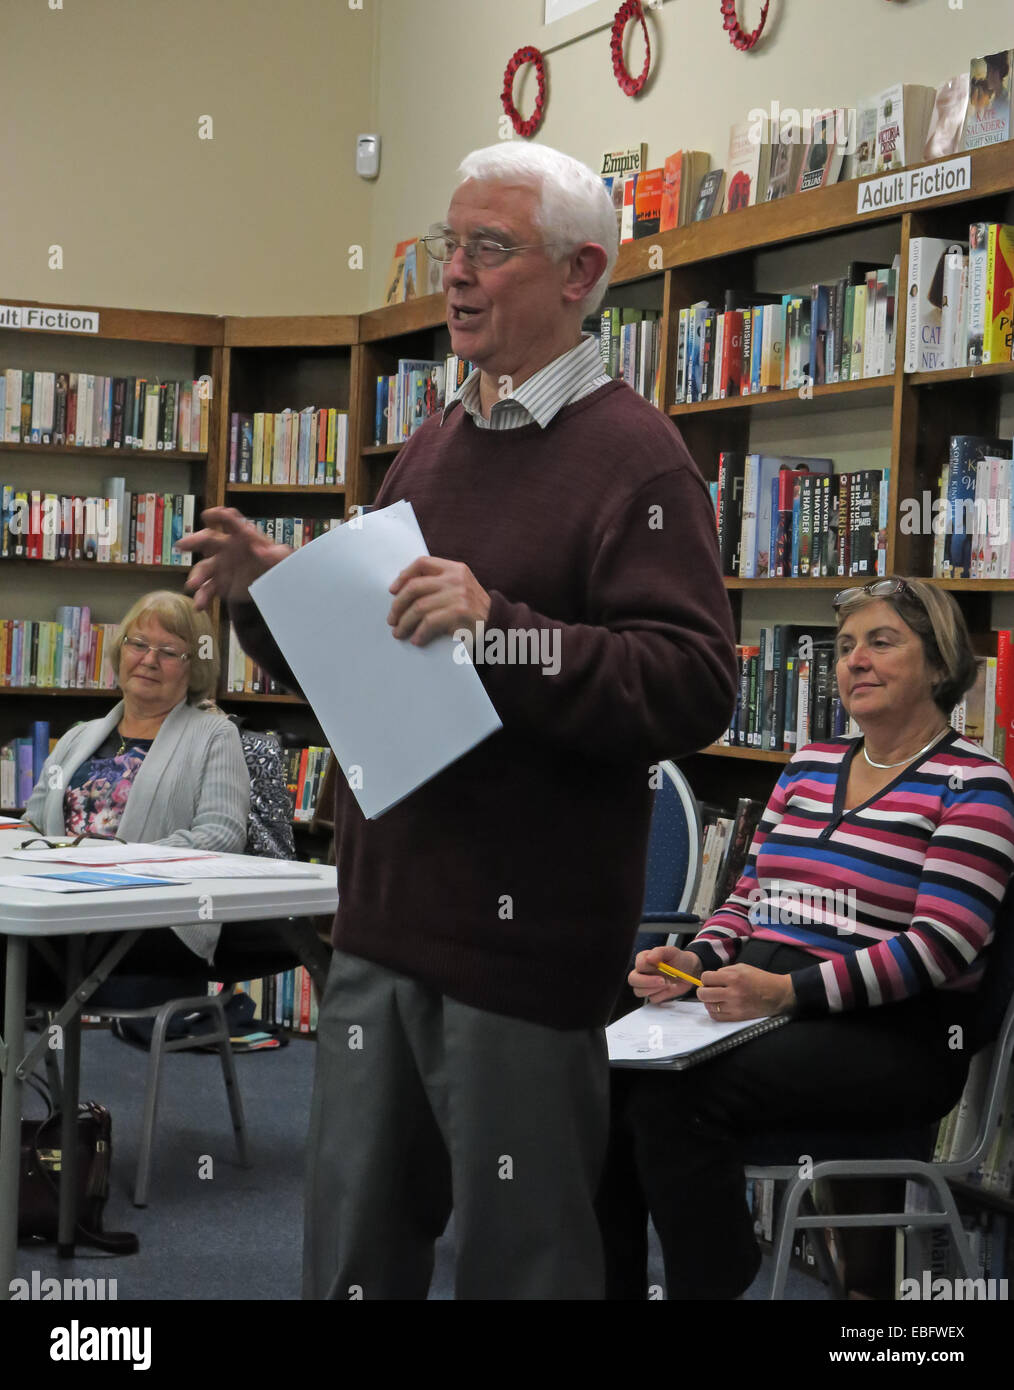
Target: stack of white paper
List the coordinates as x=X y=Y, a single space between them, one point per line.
x=394 y=714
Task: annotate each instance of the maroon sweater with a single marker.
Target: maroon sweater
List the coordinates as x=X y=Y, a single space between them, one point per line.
x=514 y=880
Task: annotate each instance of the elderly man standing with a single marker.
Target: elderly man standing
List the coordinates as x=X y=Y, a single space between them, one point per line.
x=453 y=1071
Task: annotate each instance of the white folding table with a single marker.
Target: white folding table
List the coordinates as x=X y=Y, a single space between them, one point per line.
x=26 y=915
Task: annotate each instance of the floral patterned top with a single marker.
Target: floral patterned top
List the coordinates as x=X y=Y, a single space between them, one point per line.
x=95 y=799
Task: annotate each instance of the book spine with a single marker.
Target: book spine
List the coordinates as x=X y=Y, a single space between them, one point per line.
x=978 y=237
x=748 y=535
x=1004 y=693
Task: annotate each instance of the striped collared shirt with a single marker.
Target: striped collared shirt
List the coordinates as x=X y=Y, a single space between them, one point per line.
x=561 y=382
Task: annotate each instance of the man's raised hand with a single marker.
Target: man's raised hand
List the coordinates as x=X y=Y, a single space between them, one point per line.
x=235 y=552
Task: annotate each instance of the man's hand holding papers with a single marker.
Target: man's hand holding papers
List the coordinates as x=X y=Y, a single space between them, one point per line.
x=436 y=596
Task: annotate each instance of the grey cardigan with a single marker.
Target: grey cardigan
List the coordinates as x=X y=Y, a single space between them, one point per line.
x=193 y=789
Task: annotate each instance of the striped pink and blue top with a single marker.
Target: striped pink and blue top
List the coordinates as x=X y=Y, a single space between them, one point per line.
x=893 y=897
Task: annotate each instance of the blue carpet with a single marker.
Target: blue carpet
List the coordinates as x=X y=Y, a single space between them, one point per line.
x=237 y=1233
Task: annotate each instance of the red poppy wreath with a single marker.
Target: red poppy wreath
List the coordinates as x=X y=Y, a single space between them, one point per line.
x=519 y=60
x=738 y=36
x=630 y=9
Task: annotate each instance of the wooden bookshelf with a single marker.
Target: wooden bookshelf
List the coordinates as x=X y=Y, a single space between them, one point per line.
x=56 y=692
x=879 y=386
x=97 y=567
x=303 y=489
x=988 y=371
x=755 y=755
x=790 y=585
x=86 y=451
x=250 y=697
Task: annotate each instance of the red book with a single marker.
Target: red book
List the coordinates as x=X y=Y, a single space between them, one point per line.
x=34 y=551
x=647 y=203
x=627 y=225
x=304 y=999
x=780 y=562
x=300 y=780
x=156 y=551
x=672 y=176
x=321 y=443
x=732 y=353
x=1003 y=743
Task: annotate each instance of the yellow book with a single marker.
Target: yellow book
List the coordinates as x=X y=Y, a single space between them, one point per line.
x=257 y=462
x=100 y=641
x=997 y=335
x=269 y=447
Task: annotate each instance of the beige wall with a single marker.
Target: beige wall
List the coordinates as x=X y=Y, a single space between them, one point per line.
x=100 y=103
x=813 y=52
x=99 y=153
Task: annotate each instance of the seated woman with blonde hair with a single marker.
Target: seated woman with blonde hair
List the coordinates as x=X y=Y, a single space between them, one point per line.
x=164 y=767
x=864 y=913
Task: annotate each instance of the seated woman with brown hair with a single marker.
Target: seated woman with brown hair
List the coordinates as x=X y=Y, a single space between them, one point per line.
x=909 y=827
x=164 y=767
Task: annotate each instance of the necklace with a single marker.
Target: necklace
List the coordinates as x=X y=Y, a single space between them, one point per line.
x=884 y=766
x=126 y=741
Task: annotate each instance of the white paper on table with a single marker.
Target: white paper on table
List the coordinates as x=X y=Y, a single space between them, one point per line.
x=397 y=712
x=240 y=866
x=109 y=852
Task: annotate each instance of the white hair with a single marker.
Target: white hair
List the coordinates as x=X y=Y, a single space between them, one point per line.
x=573 y=207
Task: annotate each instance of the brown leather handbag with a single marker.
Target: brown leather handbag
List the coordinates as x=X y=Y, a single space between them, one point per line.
x=39 y=1198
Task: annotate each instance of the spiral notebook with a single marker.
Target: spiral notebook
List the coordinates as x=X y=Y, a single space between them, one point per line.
x=678 y=1035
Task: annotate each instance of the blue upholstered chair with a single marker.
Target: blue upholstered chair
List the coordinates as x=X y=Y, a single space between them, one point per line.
x=674 y=860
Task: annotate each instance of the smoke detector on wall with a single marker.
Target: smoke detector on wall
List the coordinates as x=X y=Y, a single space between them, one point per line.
x=368 y=156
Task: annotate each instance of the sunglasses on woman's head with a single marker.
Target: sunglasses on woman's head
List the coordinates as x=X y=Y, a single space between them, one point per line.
x=879 y=588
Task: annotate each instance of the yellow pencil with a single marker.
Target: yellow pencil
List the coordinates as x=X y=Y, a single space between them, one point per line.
x=676 y=974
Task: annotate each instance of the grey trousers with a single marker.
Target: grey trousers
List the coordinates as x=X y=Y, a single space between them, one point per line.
x=422 y=1104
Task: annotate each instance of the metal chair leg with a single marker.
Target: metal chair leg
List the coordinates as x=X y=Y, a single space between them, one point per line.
x=155 y=1055
x=827 y=1266
x=232 y=1088
x=787 y=1214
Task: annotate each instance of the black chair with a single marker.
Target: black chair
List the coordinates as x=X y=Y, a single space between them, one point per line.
x=246 y=951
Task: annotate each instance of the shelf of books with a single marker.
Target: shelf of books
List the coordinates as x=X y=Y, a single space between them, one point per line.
x=829 y=463
x=108 y=427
